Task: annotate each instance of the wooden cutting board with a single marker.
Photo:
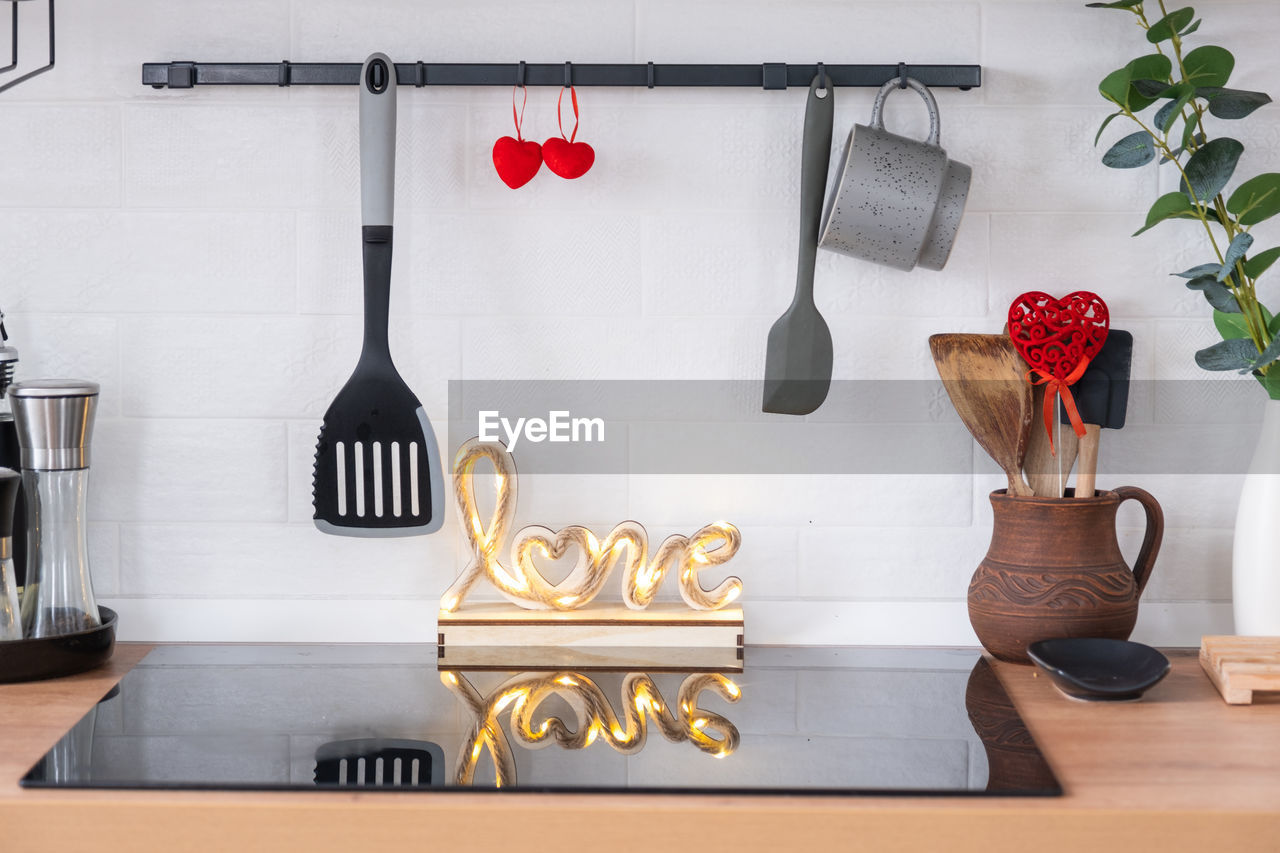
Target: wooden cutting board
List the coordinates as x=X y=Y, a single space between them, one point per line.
x=1241 y=666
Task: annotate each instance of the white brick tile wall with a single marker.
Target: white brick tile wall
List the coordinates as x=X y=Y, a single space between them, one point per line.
x=70 y=345
x=177 y=260
x=197 y=253
x=527 y=265
x=168 y=469
x=245 y=367
x=1042 y=158
x=1053 y=53
x=66 y=155
x=862 y=563
x=613 y=348
x=483 y=31
x=833 y=500
x=104 y=558
x=726 y=31
x=1134 y=274
x=286 y=561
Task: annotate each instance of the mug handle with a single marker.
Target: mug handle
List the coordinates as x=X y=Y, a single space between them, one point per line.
x=1155 y=533
x=877 y=109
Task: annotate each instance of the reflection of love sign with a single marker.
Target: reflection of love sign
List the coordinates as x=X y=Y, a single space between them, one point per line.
x=595 y=718
x=628 y=543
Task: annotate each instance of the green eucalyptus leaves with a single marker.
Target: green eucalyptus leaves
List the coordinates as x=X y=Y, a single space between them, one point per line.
x=1167 y=94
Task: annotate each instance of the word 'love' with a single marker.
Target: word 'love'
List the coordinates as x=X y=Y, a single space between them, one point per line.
x=628 y=543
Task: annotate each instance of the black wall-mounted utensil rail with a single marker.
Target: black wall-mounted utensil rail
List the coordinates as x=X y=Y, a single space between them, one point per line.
x=769 y=75
x=13 y=62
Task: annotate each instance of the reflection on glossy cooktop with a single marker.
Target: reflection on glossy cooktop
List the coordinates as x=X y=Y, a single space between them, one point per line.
x=793 y=720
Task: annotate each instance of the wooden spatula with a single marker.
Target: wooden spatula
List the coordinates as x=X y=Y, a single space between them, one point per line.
x=983 y=375
x=1046 y=472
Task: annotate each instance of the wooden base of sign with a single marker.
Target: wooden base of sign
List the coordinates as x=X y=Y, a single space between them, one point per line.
x=598 y=636
x=1239 y=666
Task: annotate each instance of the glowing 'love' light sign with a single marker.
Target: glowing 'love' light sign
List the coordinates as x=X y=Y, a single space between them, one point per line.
x=628 y=543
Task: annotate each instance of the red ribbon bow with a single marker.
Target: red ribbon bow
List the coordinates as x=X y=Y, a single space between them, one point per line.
x=1056 y=388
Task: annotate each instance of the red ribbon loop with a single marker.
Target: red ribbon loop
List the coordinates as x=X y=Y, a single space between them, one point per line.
x=573 y=97
x=1061 y=389
x=518 y=118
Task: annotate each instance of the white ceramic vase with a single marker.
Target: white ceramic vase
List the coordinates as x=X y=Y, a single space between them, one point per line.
x=1255 y=564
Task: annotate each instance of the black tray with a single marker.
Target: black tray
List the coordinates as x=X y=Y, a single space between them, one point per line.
x=66 y=654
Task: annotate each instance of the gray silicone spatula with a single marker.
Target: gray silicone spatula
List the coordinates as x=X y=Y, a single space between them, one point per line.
x=377 y=469
x=797 y=366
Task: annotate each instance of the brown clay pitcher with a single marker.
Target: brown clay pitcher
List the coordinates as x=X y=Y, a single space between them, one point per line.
x=1014 y=762
x=1054 y=569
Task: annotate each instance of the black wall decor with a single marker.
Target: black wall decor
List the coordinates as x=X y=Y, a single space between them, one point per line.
x=13 y=62
x=768 y=75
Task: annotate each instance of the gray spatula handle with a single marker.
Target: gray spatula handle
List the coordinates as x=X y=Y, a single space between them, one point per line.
x=815 y=156
x=377 y=140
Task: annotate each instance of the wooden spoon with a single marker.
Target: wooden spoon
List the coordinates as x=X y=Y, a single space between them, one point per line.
x=1047 y=473
x=983 y=375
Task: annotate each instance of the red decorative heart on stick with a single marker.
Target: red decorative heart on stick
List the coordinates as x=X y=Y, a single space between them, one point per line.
x=568 y=159
x=1055 y=335
x=516 y=161
x=1058 y=338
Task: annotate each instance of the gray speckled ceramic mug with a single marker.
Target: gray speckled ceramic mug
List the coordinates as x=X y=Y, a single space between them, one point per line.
x=890 y=187
x=946 y=219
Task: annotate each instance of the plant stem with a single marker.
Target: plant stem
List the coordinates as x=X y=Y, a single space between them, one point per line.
x=1142 y=22
x=1242 y=287
x=1199 y=206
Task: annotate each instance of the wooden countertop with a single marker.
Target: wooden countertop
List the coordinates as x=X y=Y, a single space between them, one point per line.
x=1180 y=770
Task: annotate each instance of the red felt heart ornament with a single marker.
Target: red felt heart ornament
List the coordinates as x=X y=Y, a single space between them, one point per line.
x=565 y=156
x=1055 y=335
x=516 y=161
x=568 y=159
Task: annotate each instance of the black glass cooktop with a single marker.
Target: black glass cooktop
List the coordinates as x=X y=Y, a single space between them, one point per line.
x=792 y=720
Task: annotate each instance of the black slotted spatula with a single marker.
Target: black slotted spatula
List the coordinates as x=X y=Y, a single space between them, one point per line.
x=377 y=470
